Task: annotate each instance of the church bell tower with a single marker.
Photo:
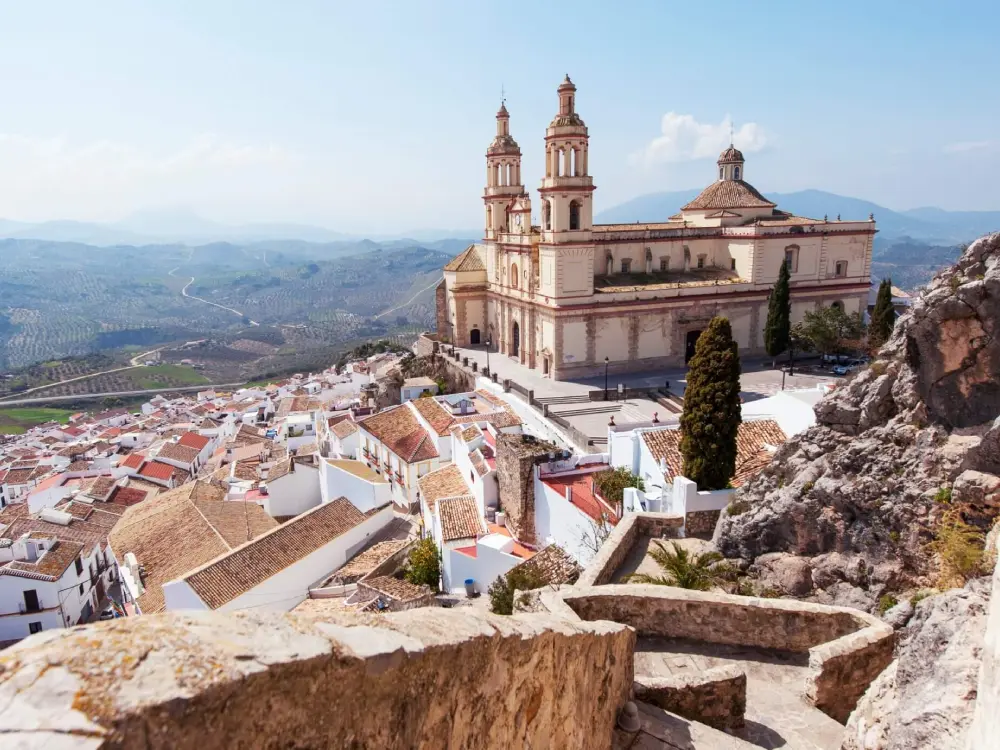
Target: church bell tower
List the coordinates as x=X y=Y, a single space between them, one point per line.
x=503 y=176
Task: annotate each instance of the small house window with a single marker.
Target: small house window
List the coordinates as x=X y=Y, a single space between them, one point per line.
x=722 y=172
x=792 y=258
x=664 y=264
x=701 y=261
x=81 y=589
x=574 y=216
x=732 y=264
x=626 y=265
x=838 y=304
x=34 y=627
x=840 y=269
x=79 y=566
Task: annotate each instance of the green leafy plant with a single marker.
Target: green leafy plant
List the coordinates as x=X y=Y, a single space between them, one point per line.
x=883 y=316
x=806 y=487
x=833 y=331
x=886 y=602
x=894 y=537
x=943 y=495
x=712 y=410
x=520 y=578
x=612 y=484
x=777 y=329
x=424 y=564
x=682 y=569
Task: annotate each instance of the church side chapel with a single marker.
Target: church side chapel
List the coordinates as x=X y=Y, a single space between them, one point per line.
x=561 y=295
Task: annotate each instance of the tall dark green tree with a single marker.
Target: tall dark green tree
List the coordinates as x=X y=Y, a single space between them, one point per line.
x=779 y=314
x=883 y=316
x=712 y=414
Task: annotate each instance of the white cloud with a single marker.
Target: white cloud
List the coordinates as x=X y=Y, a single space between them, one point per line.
x=54 y=177
x=966 y=146
x=683 y=138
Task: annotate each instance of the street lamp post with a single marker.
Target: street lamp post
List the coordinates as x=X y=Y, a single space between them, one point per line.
x=606 y=362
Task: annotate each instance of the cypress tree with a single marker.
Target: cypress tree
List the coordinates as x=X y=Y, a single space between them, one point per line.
x=779 y=313
x=883 y=316
x=712 y=416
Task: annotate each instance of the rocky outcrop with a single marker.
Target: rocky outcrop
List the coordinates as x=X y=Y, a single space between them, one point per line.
x=853 y=501
x=927 y=696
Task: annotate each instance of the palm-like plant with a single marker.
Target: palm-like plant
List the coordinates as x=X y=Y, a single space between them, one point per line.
x=681 y=568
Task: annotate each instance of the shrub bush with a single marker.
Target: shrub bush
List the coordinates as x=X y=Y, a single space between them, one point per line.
x=959 y=548
x=424 y=564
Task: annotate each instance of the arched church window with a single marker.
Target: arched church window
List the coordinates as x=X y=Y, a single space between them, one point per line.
x=574 y=215
x=722 y=172
x=736 y=173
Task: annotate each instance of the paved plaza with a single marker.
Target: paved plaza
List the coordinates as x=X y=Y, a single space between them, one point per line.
x=591 y=418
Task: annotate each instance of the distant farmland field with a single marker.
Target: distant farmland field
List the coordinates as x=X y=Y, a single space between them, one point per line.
x=17 y=421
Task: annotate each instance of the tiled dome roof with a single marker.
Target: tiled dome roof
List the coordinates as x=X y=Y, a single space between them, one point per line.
x=730 y=155
x=729 y=194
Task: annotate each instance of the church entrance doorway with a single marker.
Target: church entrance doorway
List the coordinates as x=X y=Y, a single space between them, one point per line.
x=515 y=340
x=474 y=337
x=691 y=342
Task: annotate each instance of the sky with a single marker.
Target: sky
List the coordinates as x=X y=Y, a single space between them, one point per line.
x=374 y=117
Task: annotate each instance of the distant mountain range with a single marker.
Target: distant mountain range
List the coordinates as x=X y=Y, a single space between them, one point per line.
x=931 y=224
x=185 y=227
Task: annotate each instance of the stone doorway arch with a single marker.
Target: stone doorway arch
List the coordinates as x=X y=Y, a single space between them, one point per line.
x=690 y=342
x=474 y=337
x=515 y=339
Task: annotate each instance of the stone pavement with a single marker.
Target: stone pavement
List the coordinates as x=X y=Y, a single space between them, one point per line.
x=777 y=714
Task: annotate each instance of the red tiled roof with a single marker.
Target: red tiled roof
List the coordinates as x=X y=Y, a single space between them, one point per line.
x=157 y=470
x=194 y=440
x=134 y=461
x=582 y=495
x=128 y=496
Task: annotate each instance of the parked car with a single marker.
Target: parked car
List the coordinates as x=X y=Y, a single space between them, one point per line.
x=108 y=613
x=842 y=370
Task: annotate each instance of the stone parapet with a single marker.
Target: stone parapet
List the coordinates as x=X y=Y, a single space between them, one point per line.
x=716 y=697
x=426 y=678
x=843 y=669
x=623 y=538
x=701 y=523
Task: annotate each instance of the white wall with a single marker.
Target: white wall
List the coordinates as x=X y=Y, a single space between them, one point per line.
x=284 y=590
x=294 y=493
x=364 y=495
x=560 y=522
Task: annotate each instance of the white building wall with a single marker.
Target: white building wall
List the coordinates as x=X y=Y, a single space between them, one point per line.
x=364 y=495
x=294 y=493
x=456 y=568
x=560 y=522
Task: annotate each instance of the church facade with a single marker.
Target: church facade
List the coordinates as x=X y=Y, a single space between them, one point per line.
x=567 y=295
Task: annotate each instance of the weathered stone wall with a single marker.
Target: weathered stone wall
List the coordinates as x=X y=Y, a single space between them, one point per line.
x=671 y=612
x=441 y=310
x=366 y=593
x=701 y=523
x=516 y=479
x=717 y=696
x=428 y=678
x=625 y=535
x=424 y=345
x=844 y=668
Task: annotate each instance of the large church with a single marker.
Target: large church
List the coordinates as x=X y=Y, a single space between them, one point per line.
x=565 y=296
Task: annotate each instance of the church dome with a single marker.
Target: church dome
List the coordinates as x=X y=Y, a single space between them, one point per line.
x=502 y=112
x=730 y=155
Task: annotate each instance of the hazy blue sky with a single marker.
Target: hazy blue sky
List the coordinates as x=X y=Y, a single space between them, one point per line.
x=375 y=116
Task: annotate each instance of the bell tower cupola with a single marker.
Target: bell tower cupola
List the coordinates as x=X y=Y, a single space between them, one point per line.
x=567 y=206
x=731 y=164
x=503 y=176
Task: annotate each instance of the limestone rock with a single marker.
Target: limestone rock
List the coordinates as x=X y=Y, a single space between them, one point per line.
x=899 y=615
x=792 y=574
x=925 y=699
x=856 y=492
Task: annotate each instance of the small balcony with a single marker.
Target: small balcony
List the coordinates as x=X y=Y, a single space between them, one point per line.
x=25 y=609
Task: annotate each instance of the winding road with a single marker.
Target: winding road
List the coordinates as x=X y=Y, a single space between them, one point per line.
x=135 y=362
x=409 y=301
x=184 y=293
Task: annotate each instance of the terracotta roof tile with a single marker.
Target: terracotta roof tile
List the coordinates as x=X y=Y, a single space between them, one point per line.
x=446 y=482
x=157 y=470
x=395 y=588
x=178 y=452
x=468 y=260
x=194 y=440
x=173 y=533
x=436 y=415
x=236 y=572
x=555 y=565
x=398 y=430
x=364 y=563
x=460 y=519
x=344 y=428
x=728 y=194
x=751 y=456
x=50 y=566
